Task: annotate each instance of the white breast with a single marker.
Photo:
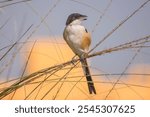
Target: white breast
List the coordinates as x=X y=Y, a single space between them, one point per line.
x=73 y=37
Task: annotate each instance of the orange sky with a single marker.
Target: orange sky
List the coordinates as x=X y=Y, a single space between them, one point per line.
x=46 y=53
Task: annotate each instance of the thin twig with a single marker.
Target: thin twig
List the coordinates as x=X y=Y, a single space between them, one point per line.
x=14 y=3
x=26 y=64
x=118 y=26
x=40 y=73
x=16 y=42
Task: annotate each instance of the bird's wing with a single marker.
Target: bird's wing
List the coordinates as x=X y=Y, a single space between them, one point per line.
x=86 y=41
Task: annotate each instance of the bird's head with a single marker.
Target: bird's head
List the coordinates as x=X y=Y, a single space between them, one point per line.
x=75 y=18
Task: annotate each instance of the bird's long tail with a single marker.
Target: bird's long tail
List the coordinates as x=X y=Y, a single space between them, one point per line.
x=88 y=76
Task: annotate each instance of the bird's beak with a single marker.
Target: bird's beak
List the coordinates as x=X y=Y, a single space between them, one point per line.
x=83 y=17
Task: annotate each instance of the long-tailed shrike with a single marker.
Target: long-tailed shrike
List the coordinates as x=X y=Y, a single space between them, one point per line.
x=79 y=40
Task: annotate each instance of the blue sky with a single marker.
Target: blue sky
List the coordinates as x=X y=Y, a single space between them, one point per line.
x=22 y=15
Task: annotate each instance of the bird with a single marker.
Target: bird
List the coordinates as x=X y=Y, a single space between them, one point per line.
x=79 y=39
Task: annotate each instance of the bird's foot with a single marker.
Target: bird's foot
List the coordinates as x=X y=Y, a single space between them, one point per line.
x=84 y=55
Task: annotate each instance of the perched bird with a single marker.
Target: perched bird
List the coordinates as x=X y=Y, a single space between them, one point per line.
x=79 y=40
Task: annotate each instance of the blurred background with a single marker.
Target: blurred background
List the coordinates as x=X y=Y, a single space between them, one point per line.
x=31 y=40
